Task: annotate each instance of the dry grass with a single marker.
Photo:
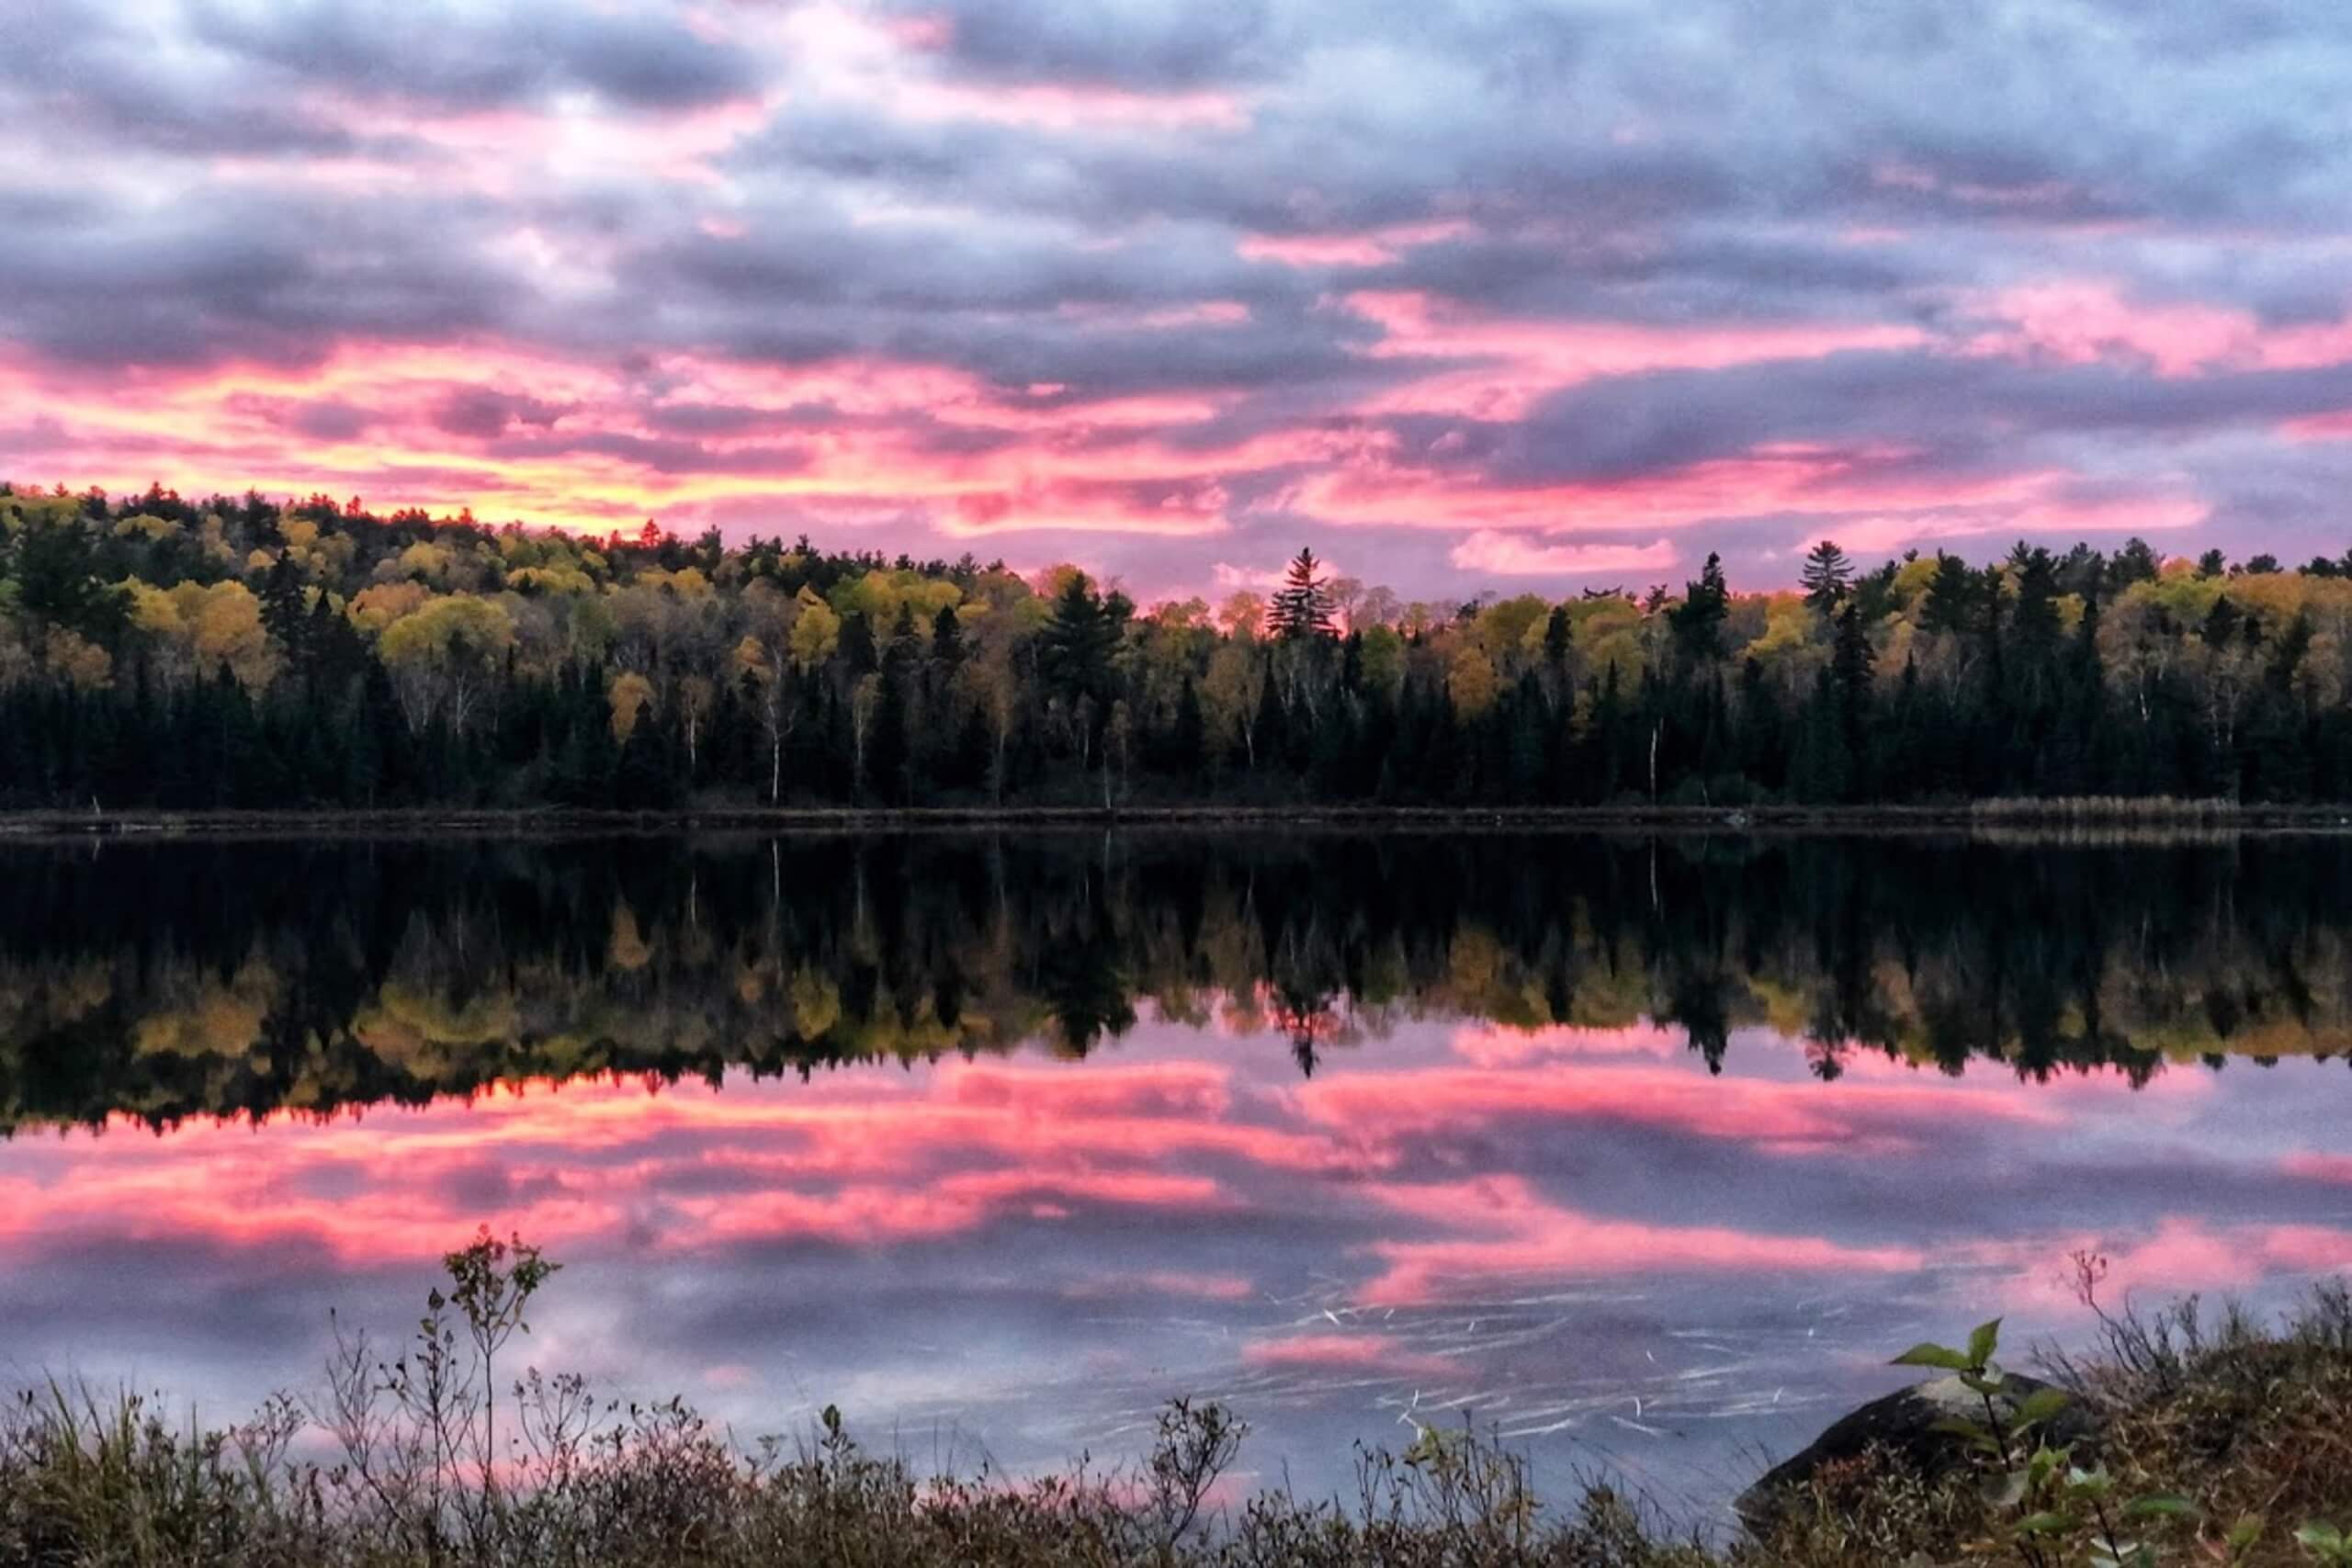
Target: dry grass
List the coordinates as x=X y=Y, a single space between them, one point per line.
x=2239 y=1418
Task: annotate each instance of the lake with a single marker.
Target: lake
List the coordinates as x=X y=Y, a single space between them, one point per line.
x=1647 y=1151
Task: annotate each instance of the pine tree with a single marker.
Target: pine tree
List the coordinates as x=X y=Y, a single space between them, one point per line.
x=1827 y=576
x=1302 y=606
x=1075 y=646
x=1951 y=596
x=1850 y=660
x=1698 y=621
x=283 y=613
x=946 y=639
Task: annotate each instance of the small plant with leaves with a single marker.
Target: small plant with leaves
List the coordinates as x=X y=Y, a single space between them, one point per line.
x=2060 y=1513
x=2325 y=1543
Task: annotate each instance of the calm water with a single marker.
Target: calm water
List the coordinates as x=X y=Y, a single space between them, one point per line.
x=1650 y=1152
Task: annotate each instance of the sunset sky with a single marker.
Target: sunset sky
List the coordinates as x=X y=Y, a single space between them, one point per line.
x=1499 y=293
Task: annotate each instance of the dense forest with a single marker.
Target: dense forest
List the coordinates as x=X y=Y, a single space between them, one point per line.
x=167 y=980
x=160 y=652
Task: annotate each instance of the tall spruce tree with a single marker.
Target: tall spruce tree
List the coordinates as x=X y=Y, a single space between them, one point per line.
x=1698 y=621
x=1302 y=606
x=1827 y=576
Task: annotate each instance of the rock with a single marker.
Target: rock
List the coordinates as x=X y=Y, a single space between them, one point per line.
x=1902 y=1424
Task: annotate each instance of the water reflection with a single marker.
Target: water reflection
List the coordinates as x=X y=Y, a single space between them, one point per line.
x=1366 y=1130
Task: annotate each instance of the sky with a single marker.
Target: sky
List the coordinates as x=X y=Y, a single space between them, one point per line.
x=1495 y=293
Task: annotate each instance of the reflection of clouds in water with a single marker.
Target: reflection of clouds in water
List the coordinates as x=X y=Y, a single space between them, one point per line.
x=1607 y=1253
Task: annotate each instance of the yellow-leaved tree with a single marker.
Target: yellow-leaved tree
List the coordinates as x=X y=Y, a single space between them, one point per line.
x=443 y=655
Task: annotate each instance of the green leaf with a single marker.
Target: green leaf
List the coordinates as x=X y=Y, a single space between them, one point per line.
x=2040 y=1406
x=2246 y=1532
x=1931 y=1355
x=2320 y=1536
x=2046 y=1524
x=1982 y=1340
x=2091 y=1483
x=2160 y=1507
x=1969 y=1432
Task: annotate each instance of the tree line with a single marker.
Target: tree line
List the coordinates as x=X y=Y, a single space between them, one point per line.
x=242 y=653
x=206 y=977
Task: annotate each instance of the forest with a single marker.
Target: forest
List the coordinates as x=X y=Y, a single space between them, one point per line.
x=162 y=653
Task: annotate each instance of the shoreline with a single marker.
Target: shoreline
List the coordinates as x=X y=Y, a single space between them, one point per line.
x=2166 y=818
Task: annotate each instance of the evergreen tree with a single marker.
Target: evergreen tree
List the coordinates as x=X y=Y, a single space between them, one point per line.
x=1075 y=647
x=1302 y=606
x=1698 y=621
x=859 y=656
x=2136 y=562
x=1950 y=604
x=1850 y=662
x=1827 y=576
x=946 y=639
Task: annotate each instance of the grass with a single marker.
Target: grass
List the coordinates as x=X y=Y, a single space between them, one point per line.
x=2248 y=1424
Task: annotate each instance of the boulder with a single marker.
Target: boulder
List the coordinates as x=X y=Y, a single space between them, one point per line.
x=1903 y=1425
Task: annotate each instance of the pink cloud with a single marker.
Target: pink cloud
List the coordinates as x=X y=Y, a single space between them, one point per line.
x=1376 y=1353
x=1162 y=1282
x=1372 y=247
x=1492 y=1045
x=1521 y=359
x=1526 y=1236
x=1514 y=554
x=848 y=1161
x=2182 y=1254
x=2335 y=1169
x=1788 y=1116
x=2334 y=426
x=2153 y=512
x=1373 y=488
x=2082 y=320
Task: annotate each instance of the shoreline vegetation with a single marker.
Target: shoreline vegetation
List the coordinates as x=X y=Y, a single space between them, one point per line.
x=165 y=653
x=2006 y=813
x=2188 y=1436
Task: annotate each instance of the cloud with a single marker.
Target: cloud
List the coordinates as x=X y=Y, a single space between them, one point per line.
x=1380 y=1354
x=1131 y=42
x=1171 y=283
x=1528 y=1237
x=1517 y=555
x=482 y=413
x=476 y=55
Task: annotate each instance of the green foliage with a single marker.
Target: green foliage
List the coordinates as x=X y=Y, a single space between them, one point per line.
x=2056 y=1513
x=1301 y=608
x=2325 y=1543
x=401 y=660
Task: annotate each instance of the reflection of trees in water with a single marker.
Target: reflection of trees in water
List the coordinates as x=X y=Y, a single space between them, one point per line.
x=165 y=980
